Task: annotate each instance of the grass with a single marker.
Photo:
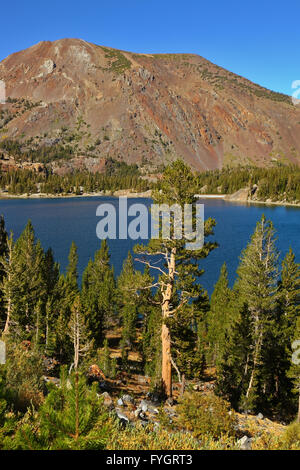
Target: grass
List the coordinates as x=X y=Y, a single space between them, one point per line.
x=118 y=63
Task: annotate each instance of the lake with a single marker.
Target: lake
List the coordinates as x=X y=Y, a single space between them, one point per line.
x=58 y=222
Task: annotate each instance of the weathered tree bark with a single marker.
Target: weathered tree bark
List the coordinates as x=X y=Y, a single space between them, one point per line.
x=257 y=352
x=8 y=314
x=166 y=360
x=182 y=385
x=165 y=332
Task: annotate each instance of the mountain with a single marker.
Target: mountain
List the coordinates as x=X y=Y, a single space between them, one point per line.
x=72 y=103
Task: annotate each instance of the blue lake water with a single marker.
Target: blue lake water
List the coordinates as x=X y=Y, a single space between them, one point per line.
x=58 y=222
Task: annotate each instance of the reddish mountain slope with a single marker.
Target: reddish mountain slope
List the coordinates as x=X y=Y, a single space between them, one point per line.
x=102 y=102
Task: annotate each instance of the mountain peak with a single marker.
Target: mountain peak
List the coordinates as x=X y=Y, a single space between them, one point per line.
x=144 y=107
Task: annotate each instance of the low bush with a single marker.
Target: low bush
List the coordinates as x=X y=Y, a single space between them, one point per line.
x=206 y=415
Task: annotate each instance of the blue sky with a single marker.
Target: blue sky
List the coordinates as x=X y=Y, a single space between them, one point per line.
x=260 y=41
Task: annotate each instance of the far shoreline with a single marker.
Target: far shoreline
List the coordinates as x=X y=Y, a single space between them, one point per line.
x=119 y=193
x=144 y=194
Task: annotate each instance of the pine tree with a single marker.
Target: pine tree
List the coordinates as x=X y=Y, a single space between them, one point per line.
x=277 y=352
x=51 y=302
x=178 y=269
x=9 y=283
x=72 y=274
x=3 y=243
x=219 y=317
x=128 y=302
x=28 y=269
x=67 y=288
x=79 y=333
x=98 y=293
x=72 y=417
x=294 y=371
x=287 y=328
x=255 y=296
x=289 y=292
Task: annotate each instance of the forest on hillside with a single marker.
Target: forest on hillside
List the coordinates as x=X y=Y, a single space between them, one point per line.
x=277 y=183
x=81 y=354
x=117 y=175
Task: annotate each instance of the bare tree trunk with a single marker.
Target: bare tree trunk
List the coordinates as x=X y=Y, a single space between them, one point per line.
x=166 y=371
x=182 y=385
x=6 y=328
x=37 y=325
x=76 y=407
x=47 y=332
x=255 y=362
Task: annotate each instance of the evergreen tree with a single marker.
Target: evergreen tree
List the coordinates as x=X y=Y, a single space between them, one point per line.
x=52 y=301
x=9 y=284
x=289 y=292
x=79 y=333
x=256 y=294
x=219 y=317
x=67 y=291
x=72 y=274
x=277 y=352
x=98 y=292
x=29 y=254
x=3 y=243
x=128 y=302
x=294 y=370
x=72 y=417
x=176 y=265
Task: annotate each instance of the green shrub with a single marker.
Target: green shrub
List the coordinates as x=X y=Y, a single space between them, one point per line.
x=291 y=437
x=206 y=415
x=24 y=376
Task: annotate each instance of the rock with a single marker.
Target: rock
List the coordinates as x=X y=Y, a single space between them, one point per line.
x=127 y=399
x=240 y=195
x=107 y=399
x=244 y=443
x=123 y=418
x=170 y=412
x=142 y=416
x=170 y=401
x=260 y=416
x=154 y=397
x=146 y=405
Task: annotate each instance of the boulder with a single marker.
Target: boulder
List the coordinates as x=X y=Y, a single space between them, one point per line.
x=244 y=443
x=127 y=400
x=120 y=402
x=146 y=405
x=170 y=401
x=107 y=400
x=122 y=417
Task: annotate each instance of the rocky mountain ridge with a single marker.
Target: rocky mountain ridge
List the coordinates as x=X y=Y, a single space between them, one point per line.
x=74 y=103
